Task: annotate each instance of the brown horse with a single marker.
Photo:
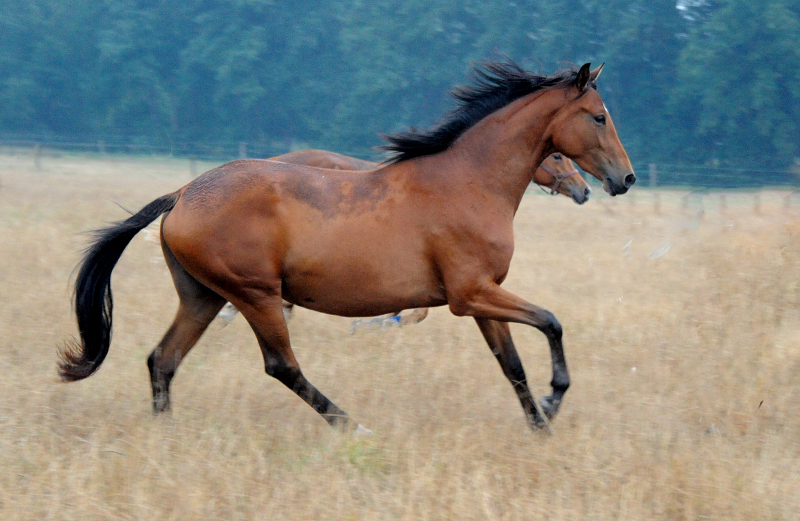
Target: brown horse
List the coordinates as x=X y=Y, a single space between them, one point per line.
x=556 y=172
x=254 y=232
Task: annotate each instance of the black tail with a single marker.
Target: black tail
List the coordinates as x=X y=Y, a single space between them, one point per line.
x=93 y=300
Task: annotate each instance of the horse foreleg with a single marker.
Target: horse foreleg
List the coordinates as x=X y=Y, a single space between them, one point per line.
x=490 y=302
x=266 y=317
x=498 y=336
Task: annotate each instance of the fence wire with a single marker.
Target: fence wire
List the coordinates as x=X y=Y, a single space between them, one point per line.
x=649 y=174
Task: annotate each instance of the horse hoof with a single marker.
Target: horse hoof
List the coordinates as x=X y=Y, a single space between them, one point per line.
x=162 y=410
x=362 y=431
x=549 y=406
x=540 y=426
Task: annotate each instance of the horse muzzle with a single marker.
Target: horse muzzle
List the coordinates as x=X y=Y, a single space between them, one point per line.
x=613 y=187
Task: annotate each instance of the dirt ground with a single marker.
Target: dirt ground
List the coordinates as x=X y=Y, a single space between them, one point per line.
x=680 y=316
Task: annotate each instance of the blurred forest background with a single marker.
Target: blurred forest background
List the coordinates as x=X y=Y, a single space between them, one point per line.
x=702 y=82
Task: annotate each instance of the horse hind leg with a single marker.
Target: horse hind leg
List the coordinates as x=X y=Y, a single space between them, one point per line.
x=266 y=316
x=198 y=305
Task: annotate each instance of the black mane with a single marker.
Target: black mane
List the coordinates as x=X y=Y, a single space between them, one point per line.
x=497 y=83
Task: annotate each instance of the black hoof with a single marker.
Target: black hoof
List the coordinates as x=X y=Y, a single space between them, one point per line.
x=550 y=406
x=537 y=424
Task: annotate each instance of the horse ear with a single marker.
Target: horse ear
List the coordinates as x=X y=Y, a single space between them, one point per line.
x=595 y=73
x=582 y=80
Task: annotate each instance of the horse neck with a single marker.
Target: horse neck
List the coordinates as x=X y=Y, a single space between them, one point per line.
x=503 y=151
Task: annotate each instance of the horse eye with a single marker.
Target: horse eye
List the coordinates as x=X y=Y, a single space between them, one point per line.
x=600 y=119
x=557 y=157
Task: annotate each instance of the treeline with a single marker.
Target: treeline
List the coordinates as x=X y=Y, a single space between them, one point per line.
x=704 y=81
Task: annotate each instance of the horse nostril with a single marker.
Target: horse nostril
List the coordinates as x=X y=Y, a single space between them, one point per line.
x=587 y=191
x=629 y=180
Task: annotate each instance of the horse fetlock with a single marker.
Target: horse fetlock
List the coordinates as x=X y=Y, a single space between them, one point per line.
x=560 y=384
x=161 y=403
x=550 y=406
x=552 y=327
x=160 y=383
x=338 y=419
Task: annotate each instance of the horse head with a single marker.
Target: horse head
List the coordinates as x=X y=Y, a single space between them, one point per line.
x=583 y=130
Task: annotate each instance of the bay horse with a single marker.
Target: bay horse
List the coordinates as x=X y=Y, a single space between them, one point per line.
x=556 y=172
x=254 y=232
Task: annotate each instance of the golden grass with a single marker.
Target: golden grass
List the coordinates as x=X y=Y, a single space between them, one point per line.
x=670 y=358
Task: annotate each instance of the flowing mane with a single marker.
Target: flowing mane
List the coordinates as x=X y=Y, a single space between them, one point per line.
x=496 y=84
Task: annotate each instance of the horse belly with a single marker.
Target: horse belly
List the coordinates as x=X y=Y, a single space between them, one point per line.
x=341 y=275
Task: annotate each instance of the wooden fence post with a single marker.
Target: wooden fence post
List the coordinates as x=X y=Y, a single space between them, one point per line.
x=653 y=171
x=37 y=156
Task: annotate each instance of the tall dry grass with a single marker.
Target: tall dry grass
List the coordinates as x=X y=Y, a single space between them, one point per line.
x=670 y=357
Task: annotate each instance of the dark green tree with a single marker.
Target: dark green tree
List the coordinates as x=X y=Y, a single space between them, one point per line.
x=737 y=91
x=703 y=80
x=47 y=66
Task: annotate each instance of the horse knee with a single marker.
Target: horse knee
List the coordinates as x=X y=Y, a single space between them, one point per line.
x=160 y=380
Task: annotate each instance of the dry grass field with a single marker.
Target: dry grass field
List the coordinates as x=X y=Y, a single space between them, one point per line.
x=682 y=335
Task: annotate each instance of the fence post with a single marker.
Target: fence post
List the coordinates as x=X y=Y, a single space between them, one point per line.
x=653 y=172
x=242 y=150
x=757 y=203
x=37 y=156
x=723 y=202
